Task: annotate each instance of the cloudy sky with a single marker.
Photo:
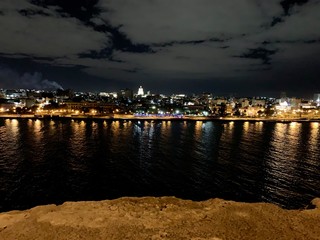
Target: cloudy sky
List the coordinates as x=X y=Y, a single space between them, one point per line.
x=241 y=47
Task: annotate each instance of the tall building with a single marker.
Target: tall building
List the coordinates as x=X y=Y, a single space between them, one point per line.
x=140 y=91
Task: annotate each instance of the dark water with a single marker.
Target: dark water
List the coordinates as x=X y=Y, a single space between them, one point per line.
x=46 y=161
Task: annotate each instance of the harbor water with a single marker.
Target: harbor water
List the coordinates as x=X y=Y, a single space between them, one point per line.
x=53 y=161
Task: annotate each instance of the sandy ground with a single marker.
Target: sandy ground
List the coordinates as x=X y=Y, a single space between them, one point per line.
x=161 y=218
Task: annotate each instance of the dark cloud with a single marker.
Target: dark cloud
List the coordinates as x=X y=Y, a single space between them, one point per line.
x=28 y=56
x=125 y=43
x=121 y=42
x=131 y=70
x=288 y=4
x=31 y=12
x=292 y=42
x=192 y=42
x=118 y=41
x=312 y=41
x=259 y=53
x=83 y=10
x=102 y=54
x=276 y=20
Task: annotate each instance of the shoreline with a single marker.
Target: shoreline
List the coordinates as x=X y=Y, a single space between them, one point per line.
x=154 y=118
x=161 y=218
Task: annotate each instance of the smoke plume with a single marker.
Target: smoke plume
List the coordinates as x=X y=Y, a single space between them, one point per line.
x=36 y=81
x=11 y=79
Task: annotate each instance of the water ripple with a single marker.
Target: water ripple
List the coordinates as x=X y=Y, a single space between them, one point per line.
x=46 y=161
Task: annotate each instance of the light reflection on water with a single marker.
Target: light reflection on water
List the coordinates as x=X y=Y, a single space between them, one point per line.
x=13 y=125
x=313 y=137
x=51 y=161
x=280 y=167
x=78 y=146
x=37 y=131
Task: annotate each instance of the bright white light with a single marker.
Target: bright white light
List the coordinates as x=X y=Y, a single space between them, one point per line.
x=284 y=104
x=140 y=91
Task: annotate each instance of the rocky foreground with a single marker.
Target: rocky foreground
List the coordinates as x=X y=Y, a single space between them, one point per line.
x=161 y=218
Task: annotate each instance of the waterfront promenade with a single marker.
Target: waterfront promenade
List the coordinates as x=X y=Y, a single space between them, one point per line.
x=158 y=118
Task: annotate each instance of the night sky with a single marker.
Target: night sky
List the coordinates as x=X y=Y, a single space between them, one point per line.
x=239 y=47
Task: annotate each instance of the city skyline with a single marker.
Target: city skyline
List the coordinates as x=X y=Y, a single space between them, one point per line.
x=246 y=48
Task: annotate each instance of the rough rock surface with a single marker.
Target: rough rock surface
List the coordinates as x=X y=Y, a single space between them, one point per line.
x=161 y=218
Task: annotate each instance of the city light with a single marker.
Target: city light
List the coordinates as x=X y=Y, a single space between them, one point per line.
x=147 y=105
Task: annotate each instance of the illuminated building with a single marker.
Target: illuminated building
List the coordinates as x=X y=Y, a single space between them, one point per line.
x=140 y=91
x=283 y=105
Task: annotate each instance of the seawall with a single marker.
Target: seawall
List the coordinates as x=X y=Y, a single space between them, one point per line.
x=161 y=218
x=155 y=118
